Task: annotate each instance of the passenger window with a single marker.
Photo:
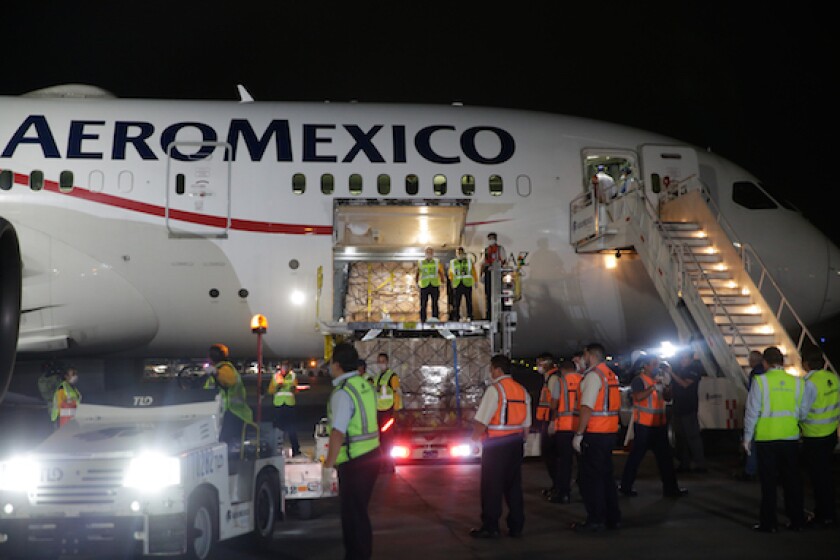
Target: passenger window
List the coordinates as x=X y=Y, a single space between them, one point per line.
x=6 y=179
x=750 y=196
x=355 y=184
x=412 y=184
x=96 y=181
x=468 y=185
x=125 y=181
x=180 y=183
x=495 y=185
x=298 y=183
x=327 y=183
x=65 y=181
x=439 y=184
x=36 y=180
x=383 y=185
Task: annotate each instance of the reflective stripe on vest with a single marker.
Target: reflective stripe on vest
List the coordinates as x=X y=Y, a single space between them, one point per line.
x=544 y=406
x=235 y=398
x=285 y=383
x=429 y=273
x=649 y=411
x=71 y=395
x=824 y=415
x=363 y=431
x=384 y=391
x=604 y=419
x=568 y=416
x=461 y=272
x=781 y=395
x=511 y=411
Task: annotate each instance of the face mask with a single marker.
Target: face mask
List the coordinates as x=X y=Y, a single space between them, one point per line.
x=541 y=369
x=492 y=242
x=73 y=379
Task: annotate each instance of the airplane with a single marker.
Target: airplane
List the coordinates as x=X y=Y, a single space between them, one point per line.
x=132 y=229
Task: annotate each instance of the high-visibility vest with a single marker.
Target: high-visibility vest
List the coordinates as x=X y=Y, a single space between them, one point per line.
x=604 y=419
x=511 y=411
x=462 y=271
x=544 y=406
x=781 y=396
x=284 y=383
x=65 y=409
x=385 y=394
x=649 y=411
x=428 y=273
x=824 y=415
x=363 y=430
x=568 y=416
x=234 y=398
x=491 y=254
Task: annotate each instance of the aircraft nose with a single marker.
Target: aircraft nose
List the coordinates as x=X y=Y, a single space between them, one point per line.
x=831 y=304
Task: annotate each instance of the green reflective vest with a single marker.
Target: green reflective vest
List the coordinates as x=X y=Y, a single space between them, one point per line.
x=781 y=396
x=285 y=385
x=462 y=271
x=384 y=391
x=71 y=394
x=823 y=417
x=234 y=398
x=363 y=431
x=428 y=272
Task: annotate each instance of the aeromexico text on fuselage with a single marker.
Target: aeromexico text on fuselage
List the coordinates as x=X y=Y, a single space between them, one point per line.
x=95 y=139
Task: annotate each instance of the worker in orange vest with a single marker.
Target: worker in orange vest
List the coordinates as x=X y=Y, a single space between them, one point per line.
x=546 y=408
x=563 y=428
x=650 y=427
x=502 y=422
x=66 y=398
x=594 y=440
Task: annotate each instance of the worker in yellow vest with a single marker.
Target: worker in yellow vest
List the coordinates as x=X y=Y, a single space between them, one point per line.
x=775 y=406
x=386 y=385
x=429 y=278
x=463 y=277
x=353 y=448
x=819 y=435
x=223 y=376
x=66 y=398
x=283 y=386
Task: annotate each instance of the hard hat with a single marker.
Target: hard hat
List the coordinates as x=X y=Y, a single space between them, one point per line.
x=222 y=349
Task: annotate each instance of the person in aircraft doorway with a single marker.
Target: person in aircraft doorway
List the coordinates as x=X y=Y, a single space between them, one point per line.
x=429 y=278
x=463 y=277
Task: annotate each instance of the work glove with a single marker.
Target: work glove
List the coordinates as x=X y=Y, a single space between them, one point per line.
x=576 y=441
x=209 y=370
x=747 y=448
x=552 y=428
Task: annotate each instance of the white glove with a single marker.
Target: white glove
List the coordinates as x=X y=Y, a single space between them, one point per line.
x=209 y=370
x=576 y=441
x=747 y=446
x=552 y=428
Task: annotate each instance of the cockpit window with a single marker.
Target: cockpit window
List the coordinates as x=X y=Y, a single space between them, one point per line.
x=777 y=196
x=749 y=195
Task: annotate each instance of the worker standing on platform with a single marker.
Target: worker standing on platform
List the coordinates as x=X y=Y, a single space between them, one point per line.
x=502 y=421
x=492 y=253
x=546 y=410
x=222 y=375
x=429 y=278
x=463 y=277
x=388 y=403
x=594 y=440
x=353 y=449
x=565 y=426
x=66 y=398
x=283 y=386
x=775 y=406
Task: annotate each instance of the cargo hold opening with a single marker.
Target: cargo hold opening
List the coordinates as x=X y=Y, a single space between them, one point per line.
x=376 y=247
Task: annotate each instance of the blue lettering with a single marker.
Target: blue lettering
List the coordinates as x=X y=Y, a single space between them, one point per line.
x=363 y=143
x=398 y=136
x=43 y=136
x=257 y=146
x=77 y=135
x=311 y=141
x=423 y=143
x=122 y=138
x=168 y=137
x=508 y=145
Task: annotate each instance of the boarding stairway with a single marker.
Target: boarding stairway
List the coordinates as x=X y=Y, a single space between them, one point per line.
x=716 y=289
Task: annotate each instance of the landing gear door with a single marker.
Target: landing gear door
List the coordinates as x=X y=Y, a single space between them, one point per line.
x=668 y=169
x=198 y=189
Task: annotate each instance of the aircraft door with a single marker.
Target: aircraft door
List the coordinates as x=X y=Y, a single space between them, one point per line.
x=198 y=189
x=667 y=168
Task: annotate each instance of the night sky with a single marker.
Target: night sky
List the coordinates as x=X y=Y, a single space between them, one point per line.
x=750 y=81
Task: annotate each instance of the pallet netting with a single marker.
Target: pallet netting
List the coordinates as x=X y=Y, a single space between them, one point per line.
x=375 y=289
x=427 y=376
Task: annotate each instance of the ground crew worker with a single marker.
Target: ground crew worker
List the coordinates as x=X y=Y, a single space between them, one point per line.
x=66 y=398
x=463 y=277
x=819 y=436
x=565 y=426
x=595 y=439
x=492 y=253
x=502 y=421
x=650 y=428
x=775 y=406
x=283 y=386
x=429 y=277
x=386 y=385
x=353 y=449
x=221 y=375
x=546 y=410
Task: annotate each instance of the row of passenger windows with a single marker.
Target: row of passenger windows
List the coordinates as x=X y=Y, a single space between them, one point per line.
x=36 y=180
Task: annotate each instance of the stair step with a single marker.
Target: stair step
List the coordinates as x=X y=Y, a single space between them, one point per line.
x=739 y=320
x=693 y=242
x=750 y=329
x=728 y=299
x=755 y=340
x=706 y=291
x=711 y=274
x=736 y=310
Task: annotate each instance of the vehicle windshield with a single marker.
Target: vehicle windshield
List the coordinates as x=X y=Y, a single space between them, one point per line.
x=151 y=395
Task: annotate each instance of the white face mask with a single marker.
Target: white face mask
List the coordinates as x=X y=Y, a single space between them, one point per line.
x=492 y=242
x=73 y=379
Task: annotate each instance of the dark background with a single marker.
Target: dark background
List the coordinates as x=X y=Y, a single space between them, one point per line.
x=750 y=81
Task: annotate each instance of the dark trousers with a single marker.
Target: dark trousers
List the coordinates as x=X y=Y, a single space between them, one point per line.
x=595 y=477
x=425 y=293
x=563 y=453
x=780 y=460
x=689 y=443
x=284 y=419
x=548 y=453
x=356 y=479
x=501 y=477
x=465 y=292
x=386 y=438
x=817 y=457
x=655 y=439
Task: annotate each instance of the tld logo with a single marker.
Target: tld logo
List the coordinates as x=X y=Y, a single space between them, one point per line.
x=143 y=400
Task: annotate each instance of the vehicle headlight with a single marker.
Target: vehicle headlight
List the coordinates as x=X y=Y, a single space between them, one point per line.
x=152 y=471
x=19 y=474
